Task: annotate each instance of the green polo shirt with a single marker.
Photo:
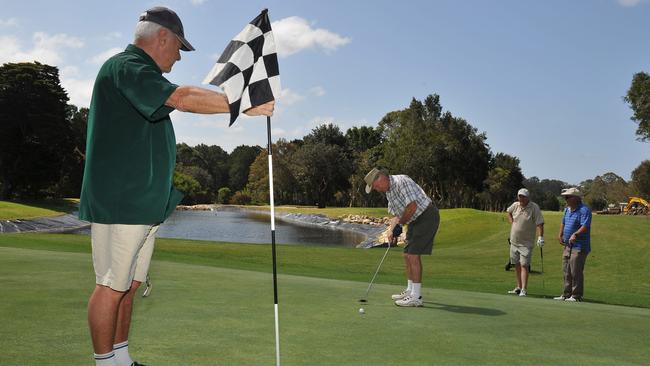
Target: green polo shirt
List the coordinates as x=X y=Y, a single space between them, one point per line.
x=131 y=147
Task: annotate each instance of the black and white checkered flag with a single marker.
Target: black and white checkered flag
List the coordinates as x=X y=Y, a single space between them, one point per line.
x=247 y=70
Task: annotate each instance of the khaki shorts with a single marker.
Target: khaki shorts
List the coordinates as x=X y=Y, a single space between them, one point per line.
x=520 y=254
x=121 y=253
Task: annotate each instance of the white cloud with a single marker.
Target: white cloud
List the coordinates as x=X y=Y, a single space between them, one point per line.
x=46 y=49
x=101 y=57
x=11 y=22
x=50 y=49
x=9 y=47
x=79 y=90
x=198 y=2
x=289 y=97
x=294 y=34
x=318 y=91
x=630 y=3
x=278 y=132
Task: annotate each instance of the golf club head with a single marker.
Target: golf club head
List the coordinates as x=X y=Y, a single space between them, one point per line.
x=147 y=290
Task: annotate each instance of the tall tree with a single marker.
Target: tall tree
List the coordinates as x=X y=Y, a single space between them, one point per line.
x=605 y=189
x=638 y=96
x=328 y=134
x=240 y=161
x=207 y=165
x=321 y=170
x=545 y=192
x=73 y=162
x=503 y=181
x=360 y=139
x=641 y=179
x=34 y=133
x=214 y=160
x=323 y=164
x=284 y=183
x=444 y=154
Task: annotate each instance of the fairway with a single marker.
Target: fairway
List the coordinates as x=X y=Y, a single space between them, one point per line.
x=202 y=315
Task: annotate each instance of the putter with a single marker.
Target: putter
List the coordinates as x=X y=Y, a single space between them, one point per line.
x=508 y=265
x=147 y=289
x=541 y=253
x=396 y=232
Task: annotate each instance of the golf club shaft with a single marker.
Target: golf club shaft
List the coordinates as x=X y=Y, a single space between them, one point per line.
x=378 y=267
x=541 y=252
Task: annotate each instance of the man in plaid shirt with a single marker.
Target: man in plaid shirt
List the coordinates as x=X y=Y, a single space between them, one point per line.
x=410 y=206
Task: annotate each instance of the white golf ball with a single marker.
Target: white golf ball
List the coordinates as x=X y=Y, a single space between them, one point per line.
x=361 y=311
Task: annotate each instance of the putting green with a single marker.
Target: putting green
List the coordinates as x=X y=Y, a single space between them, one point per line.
x=202 y=315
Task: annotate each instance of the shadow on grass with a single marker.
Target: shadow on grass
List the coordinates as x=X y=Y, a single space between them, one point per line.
x=463 y=309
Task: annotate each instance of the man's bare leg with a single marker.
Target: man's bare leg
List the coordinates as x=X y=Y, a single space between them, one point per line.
x=102 y=317
x=524 y=277
x=415 y=267
x=125 y=310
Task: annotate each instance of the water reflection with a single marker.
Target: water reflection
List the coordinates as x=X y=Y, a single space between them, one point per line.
x=251 y=227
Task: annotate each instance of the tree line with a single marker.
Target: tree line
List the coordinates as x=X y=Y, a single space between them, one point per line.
x=42 y=146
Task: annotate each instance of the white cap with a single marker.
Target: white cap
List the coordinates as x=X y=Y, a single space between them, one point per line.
x=523 y=192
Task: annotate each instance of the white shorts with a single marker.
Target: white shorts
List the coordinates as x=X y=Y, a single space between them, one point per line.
x=121 y=253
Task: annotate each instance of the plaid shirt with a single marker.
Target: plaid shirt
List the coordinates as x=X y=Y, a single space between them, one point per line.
x=402 y=191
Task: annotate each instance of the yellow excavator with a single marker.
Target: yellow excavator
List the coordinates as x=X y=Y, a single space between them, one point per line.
x=637 y=206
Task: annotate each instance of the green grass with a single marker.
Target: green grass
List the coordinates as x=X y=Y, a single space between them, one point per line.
x=206 y=315
x=212 y=301
x=470 y=253
x=29 y=210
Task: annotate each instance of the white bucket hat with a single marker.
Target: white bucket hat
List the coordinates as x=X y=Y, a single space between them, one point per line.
x=573 y=191
x=370 y=178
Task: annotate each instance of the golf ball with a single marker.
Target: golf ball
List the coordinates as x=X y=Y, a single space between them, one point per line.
x=361 y=311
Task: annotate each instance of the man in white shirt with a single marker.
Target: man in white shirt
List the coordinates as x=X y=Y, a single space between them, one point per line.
x=525 y=217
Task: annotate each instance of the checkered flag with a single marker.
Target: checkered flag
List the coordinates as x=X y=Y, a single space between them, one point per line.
x=247 y=70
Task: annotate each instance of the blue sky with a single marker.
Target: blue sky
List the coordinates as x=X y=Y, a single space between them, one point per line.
x=543 y=79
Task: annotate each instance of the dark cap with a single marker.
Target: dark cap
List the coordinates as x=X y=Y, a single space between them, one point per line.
x=168 y=19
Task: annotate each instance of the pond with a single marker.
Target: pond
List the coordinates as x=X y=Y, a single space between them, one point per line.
x=243 y=226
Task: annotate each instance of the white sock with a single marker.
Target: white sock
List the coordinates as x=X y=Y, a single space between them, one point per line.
x=105 y=359
x=415 y=291
x=410 y=286
x=122 y=356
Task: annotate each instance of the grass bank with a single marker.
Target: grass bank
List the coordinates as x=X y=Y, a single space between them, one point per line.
x=470 y=253
x=10 y=210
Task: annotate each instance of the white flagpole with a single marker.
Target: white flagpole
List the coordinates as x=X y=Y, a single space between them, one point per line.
x=275 y=281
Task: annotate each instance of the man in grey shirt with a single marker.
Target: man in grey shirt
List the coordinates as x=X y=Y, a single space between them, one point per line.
x=409 y=205
x=524 y=217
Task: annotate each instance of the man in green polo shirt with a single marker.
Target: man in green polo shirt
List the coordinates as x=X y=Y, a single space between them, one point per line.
x=127 y=187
